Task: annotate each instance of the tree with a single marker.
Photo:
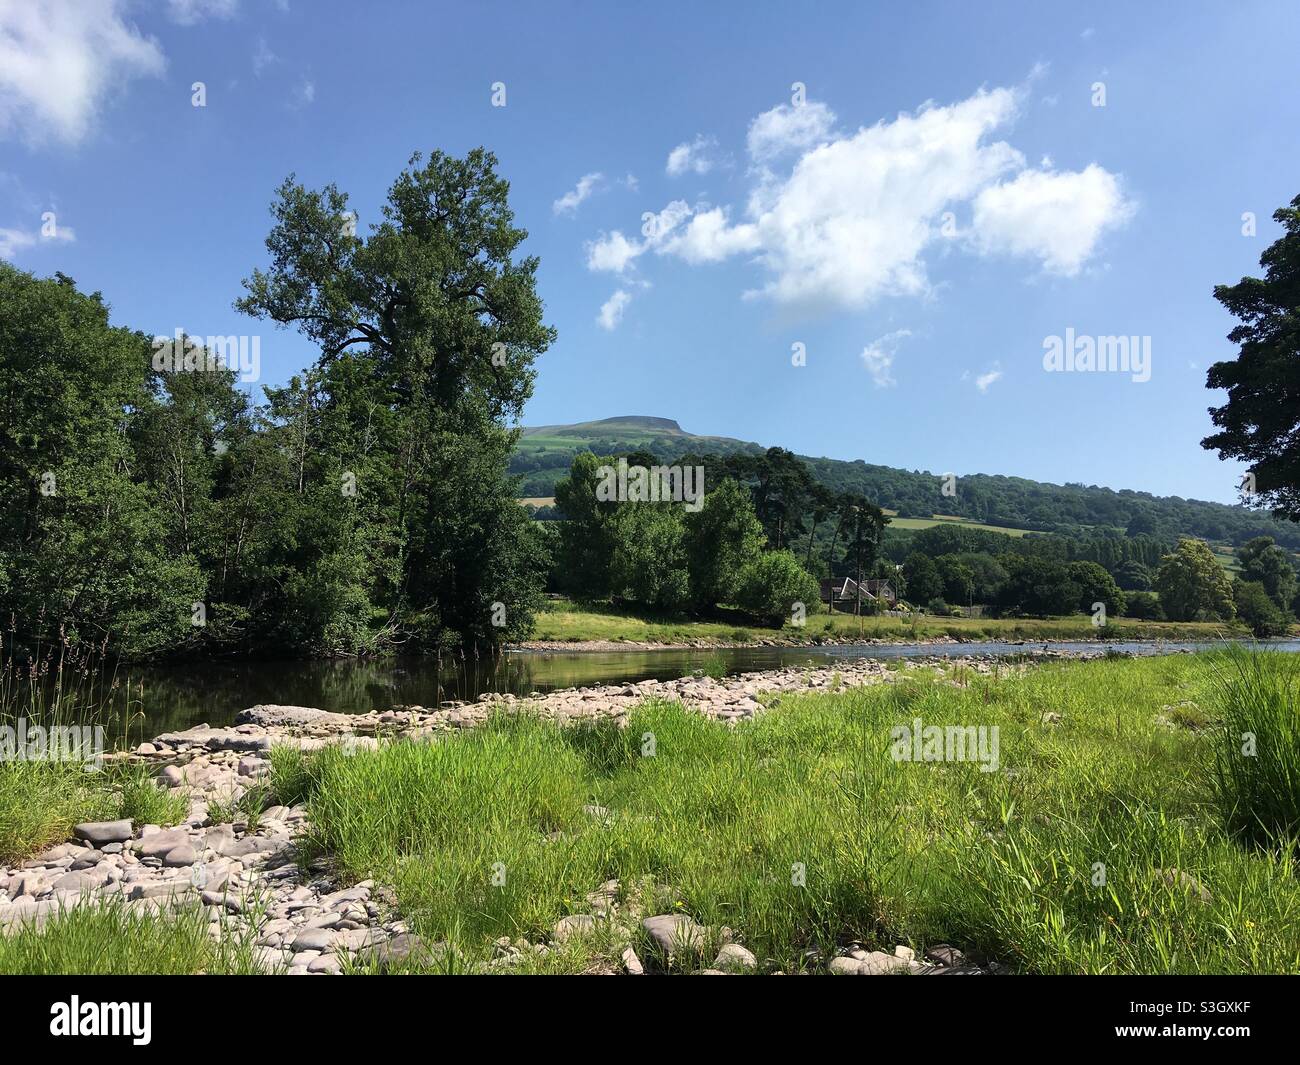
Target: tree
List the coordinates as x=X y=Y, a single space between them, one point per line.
x=86 y=546
x=1095 y=586
x=1133 y=576
x=722 y=538
x=1263 y=561
x=1260 y=421
x=1038 y=586
x=1145 y=606
x=772 y=584
x=588 y=533
x=428 y=329
x=1258 y=610
x=1192 y=585
x=921 y=579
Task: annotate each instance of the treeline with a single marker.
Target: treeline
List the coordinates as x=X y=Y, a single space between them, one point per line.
x=994 y=500
x=153 y=508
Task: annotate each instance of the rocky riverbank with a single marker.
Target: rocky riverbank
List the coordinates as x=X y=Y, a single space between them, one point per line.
x=248 y=874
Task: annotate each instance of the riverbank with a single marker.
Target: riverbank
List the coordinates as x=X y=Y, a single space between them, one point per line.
x=756 y=821
x=565 y=625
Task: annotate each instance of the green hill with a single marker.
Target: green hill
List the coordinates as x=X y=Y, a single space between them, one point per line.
x=1012 y=503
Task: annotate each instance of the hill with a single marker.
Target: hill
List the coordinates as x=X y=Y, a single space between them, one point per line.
x=1012 y=503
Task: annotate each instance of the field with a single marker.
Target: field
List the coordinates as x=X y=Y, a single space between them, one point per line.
x=564 y=621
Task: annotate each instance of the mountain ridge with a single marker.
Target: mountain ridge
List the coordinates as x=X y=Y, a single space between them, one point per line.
x=545 y=453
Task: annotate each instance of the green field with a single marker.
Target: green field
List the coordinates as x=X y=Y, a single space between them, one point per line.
x=568 y=622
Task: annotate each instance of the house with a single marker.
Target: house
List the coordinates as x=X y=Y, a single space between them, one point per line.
x=841 y=592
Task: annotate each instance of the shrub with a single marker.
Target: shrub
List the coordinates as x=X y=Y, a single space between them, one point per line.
x=773 y=583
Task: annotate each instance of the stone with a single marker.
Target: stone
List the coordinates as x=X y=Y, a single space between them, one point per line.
x=631 y=963
x=1185 y=882
x=674 y=932
x=404 y=947
x=326 y=963
x=943 y=954
x=157 y=844
x=734 y=956
x=99 y=833
x=845 y=967
x=180 y=856
x=158 y=889
x=577 y=925
x=906 y=953
x=271 y=715
x=314 y=939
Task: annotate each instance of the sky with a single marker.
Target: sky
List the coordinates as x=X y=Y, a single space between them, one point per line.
x=851 y=230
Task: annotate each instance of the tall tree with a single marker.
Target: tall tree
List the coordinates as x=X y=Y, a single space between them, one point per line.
x=1260 y=423
x=429 y=328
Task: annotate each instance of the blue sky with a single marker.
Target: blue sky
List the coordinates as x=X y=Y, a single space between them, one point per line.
x=942 y=197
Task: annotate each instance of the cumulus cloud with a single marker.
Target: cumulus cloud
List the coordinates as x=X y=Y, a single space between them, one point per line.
x=1055 y=217
x=614 y=252
x=611 y=311
x=878 y=357
x=572 y=200
x=851 y=218
x=787 y=128
x=59 y=60
x=692 y=157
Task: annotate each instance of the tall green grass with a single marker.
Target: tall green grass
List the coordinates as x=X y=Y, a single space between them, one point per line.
x=1257 y=744
x=1097 y=847
x=111 y=938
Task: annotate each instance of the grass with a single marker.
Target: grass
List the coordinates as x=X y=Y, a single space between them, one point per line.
x=942 y=519
x=568 y=622
x=1098 y=847
x=1257 y=746
x=41 y=801
x=111 y=938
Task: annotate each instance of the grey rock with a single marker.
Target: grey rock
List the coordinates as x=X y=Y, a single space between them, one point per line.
x=674 y=932
x=326 y=963
x=180 y=856
x=314 y=939
x=577 y=925
x=102 y=832
x=734 y=956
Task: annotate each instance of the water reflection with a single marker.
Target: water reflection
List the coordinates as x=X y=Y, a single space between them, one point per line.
x=168 y=698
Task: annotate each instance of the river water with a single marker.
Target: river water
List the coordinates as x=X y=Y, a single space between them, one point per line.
x=169 y=698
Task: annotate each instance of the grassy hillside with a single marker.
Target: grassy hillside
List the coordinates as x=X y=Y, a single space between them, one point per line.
x=1009 y=504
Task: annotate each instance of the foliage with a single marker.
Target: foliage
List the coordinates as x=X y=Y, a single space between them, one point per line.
x=1192 y=584
x=1258 y=423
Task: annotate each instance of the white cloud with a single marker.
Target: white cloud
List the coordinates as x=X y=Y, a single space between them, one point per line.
x=878 y=357
x=787 y=128
x=305 y=94
x=693 y=157
x=612 y=251
x=708 y=238
x=570 y=201
x=13 y=241
x=1056 y=217
x=852 y=219
x=984 y=380
x=611 y=311
x=188 y=12
x=60 y=59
